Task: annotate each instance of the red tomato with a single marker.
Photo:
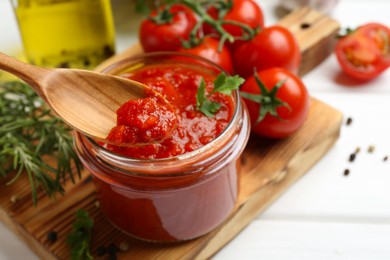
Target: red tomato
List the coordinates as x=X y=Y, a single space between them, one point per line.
x=290 y=115
x=167 y=36
x=243 y=11
x=274 y=46
x=208 y=49
x=365 y=53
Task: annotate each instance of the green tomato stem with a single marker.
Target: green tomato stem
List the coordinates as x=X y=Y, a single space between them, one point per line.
x=217 y=24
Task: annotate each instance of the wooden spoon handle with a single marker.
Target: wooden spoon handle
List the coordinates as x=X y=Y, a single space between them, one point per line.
x=29 y=73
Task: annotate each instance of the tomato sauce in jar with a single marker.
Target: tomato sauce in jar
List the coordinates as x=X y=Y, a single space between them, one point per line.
x=187 y=185
x=179 y=85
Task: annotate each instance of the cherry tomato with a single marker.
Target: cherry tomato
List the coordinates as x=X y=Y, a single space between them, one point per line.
x=168 y=34
x=286 y=109
x=208 y=49
x=274 y=46
x=243 y=11
x=365 y=53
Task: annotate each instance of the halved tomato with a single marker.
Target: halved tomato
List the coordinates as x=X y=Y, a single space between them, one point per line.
x=365 y=53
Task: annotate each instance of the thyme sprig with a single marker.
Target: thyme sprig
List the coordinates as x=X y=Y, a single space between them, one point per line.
x=29 y=135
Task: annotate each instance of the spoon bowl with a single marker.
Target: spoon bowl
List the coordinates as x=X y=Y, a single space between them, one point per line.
x=85 y=100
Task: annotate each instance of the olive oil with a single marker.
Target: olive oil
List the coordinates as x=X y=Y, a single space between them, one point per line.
x=66 y=33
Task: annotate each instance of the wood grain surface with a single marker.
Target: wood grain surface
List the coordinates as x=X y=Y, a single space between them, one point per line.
x=269 y=167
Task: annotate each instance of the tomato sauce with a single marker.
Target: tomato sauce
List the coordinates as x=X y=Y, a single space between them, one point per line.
x=143 y=121
x=185 y=186
x=173 y=209
x=179 y=85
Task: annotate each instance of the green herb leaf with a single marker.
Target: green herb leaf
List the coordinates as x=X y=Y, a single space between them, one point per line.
x=226 y=85
x=79 y=239
x=209 y=108
x=222 y=84
x=201 y=94
x=30 y=132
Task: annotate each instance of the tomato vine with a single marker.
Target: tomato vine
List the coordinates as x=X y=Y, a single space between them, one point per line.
x=200 y=8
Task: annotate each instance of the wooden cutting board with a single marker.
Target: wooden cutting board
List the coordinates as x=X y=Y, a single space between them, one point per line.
x=269 y=167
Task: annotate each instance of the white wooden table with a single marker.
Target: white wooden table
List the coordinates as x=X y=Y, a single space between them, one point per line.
x=325 y=215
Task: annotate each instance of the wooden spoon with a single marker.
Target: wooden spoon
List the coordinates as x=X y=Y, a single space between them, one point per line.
x=85 y=100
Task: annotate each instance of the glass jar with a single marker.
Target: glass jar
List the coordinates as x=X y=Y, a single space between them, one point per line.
x=169 y=199
x=66 y=33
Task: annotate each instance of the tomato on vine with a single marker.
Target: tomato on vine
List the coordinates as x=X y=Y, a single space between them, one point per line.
x=166 y=28
x=365 y=53
x=209 y=49
x=274 y=46
x=231 y=12
x=277 y=101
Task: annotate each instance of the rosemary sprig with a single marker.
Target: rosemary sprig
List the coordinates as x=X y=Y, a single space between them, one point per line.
x=29 y=134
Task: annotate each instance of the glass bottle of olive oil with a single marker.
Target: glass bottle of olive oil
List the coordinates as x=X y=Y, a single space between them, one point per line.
x=66 y=33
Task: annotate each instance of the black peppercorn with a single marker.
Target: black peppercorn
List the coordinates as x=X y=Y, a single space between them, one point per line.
x=52 y=236
x=352 y=157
